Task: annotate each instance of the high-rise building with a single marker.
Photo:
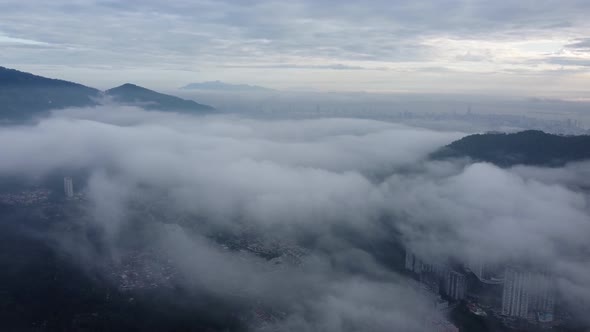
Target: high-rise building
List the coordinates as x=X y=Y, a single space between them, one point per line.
x=418 y=265
x=542 y=294
x=68 y=187
x=526 y=293
x=477 y=266
x=455 y=285
x=410 y=260
x=486 y=272
x=515 y=296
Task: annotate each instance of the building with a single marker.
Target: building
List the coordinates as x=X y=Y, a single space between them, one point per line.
x=477 y=266
x=455 y=285
x=515 y=296
x=542 y=294
x=69 y=187
x=484 y=271
x=418 y=265
x=527 y=293
x=410 y=260
x=415 y=264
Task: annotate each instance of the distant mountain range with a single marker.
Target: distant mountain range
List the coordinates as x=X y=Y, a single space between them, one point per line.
x=24 y=95
x=132 y=94
x=226 y=87
x=530 y=147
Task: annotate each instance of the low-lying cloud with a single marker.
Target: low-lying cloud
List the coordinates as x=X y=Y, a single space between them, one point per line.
x=295 y=180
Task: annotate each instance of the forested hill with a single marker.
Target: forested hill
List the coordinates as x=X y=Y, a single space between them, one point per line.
x=531 y=147
x=23 y=95
x=136 y=95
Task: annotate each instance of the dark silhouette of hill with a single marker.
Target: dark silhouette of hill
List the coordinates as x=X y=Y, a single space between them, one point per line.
x=23 y=95
x=530 y=147
x=149 y=99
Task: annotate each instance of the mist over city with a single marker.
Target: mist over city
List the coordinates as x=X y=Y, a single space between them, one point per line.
x=302 y=166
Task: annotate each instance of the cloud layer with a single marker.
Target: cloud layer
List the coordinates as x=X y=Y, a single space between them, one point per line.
x=338 y=184
x=479 y=45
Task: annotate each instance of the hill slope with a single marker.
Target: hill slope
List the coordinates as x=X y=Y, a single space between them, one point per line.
x=149 y=99
x=529 y=147
x=23 y=95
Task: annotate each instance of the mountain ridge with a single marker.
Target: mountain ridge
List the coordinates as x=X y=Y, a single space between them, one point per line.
x=132 y=94
x=529 y=147
x=25 y=95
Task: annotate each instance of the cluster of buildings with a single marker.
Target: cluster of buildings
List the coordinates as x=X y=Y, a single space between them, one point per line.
x=440 y=278
x=25 y=197
x=35 y=196
x=503 y=121
x=141 y=270
x=510 y=293
x=70 y=193
x=437 y=280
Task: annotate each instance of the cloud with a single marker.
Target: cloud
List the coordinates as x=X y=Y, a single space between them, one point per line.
x=337 y=190
x=337 y=66
x=167 y=182
x=181 y=37
x=524 y=215
x=580 y=45
x=570 y=61
x=21 y=42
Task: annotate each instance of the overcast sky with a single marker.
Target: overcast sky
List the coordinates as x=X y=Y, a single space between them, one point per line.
x=532 y=48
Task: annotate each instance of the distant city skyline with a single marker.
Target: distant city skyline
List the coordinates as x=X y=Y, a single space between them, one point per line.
x=536 y=48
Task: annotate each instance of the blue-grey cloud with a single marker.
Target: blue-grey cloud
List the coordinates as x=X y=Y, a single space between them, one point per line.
x=273 y=35
x=581 y=44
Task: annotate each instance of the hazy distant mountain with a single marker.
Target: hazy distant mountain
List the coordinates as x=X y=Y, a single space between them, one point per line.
x=23 y=95
x=221 y=86
x=136 y=95
x=531 y=147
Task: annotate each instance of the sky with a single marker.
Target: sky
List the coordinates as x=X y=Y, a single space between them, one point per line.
x=527 y=48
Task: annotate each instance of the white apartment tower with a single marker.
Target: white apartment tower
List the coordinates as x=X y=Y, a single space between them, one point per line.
x=69 y=187
x=525 y=293
x=455 y=285
x=410 y=260
x=542 y=294
x=477 y=266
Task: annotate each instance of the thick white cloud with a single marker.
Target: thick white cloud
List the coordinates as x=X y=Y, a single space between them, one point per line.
x=323 y=177
x=280 y=178
x=525 y=215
